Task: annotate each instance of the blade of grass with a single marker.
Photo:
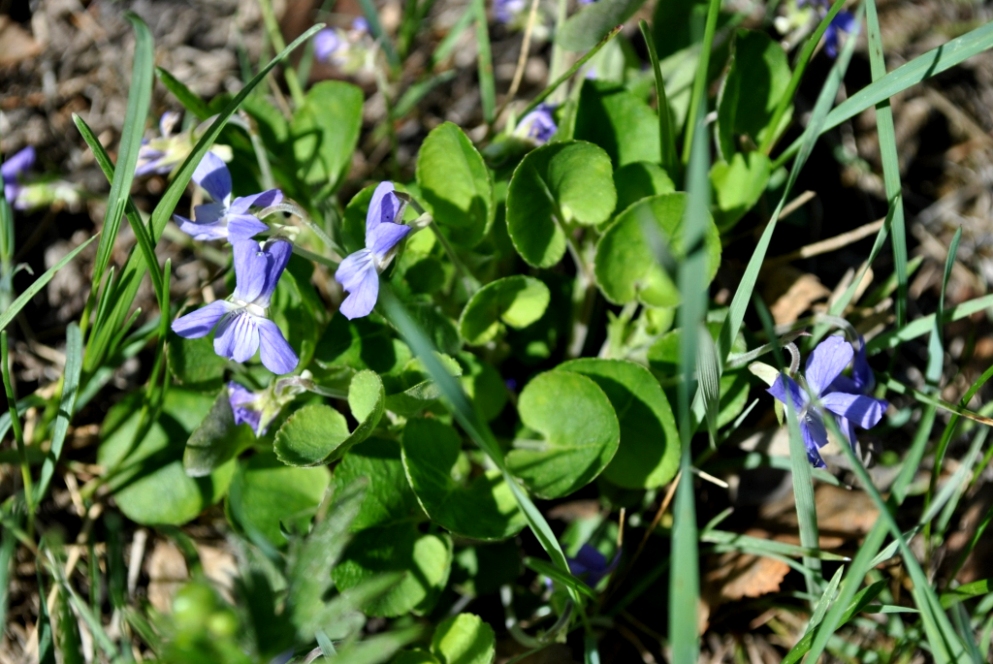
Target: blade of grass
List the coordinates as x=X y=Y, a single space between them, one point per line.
x=668 y=159
x=803 y=484
x=8 y=388
x=46 y=645
x=447 y=45
x=145 y=243
x=925 y=324
x=376 y=30
x=891 y=162
x=70 y=388
x=469 y=419
x=916 y=71
x=99 y=346
x=698 y=97
x=684 y=579
x=487 y=86
x=139 y=100
x=9 y=541
x=190 y=100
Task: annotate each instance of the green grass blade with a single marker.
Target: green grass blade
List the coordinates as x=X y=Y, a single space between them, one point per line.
x=891 y=162
x=6 y=557
x=669 y=161
x=698 y=98
x=145 y=243
x=447 y=45
x=15 y=308
x=469 y=419
x=376 y=30
x=139 y=99
x=70 y=388
x=487 y=86
x=916 y=71
x=923 y=325
x=46 y=644
x=100 y=346
x=190 y=100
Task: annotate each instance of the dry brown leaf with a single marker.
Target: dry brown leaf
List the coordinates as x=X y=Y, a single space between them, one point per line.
x=166 y=573
x=842 y=514
x=736 y=575
x=791 y=292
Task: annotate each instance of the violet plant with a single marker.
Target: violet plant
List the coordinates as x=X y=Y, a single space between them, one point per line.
x=400 y=427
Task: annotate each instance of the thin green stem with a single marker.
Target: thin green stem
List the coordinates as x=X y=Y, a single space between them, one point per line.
x=699 y=94
x=276 y=37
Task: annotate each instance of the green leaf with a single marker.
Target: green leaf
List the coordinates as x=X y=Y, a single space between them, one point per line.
x=557 y=185
x=483 y=384
x=413 y=391
x=325 y=132
x=150 y=485
x=388 y=499
x=267 y=496
x=757 y=80
x=481 y=508
x=648 y=454
x=309 y=560
x=67 y=405
x=415 y=656
x=738 y=186
x=456 y=185
x=195 y=364
x=426 y=559
x=639 y=180
x=316 y=434
x=481 y=569
x=464 y=639
x=619 y=122
x=625 y=267
x=363 y=343
x=579 y=434
x=516 y=301
x=216 y=440
x=594 y=22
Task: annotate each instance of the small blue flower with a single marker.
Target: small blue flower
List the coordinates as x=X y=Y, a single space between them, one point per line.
x=847 y=398
x=538 y=125
x=242 y=320
x=843 y=22
x=245 y=406
x=506 y=11
x=153 y=156
x=327 y=43
x=340 y=47
x=12 y=169
x=359 y=272
x=224 y=219
x=591 y=566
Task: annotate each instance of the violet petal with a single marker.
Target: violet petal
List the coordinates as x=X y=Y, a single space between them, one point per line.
x=199 y=323
x=212 y=174
x=237 y=337
x=382 y=207
x=250 y=267
x=826 y=363
x=276 y=353
x=864 y=411
x=385 y=236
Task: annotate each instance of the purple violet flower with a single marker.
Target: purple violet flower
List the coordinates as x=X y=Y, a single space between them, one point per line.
x=327 y=43
x=11 y=170
x=359 y=272
x=242 y=320
x=245 y=406
x=591 y=566
x=844 y=397
x=506 y=11
x=224 y=218
x=152 y=159
x=843 y=22
x=538 y=125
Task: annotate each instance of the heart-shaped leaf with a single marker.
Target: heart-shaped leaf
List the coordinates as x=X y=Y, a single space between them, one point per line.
x=480 y=508
x=216 y=440
x=578 y=430
x=455 y=184
x=557 y=185
x=516 y=301
x=388 y=498
x=316 y=434
x=625 y=267
x=648 y=455
x=619 y=122
x=738 y=184
x=325 y=132
x=638 y=180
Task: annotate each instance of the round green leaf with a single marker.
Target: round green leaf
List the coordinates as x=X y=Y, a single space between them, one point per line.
x=579 y=429
x=758 y=77
x=464 y=639
x=619 y=122
x=317 y=434
x=325 y=131
x=648 y=455
x=557 y=184
x=483 y=384
x=624 y=265
x=456 y=184
x=266 y=494
x=151 y=487
x=388 y=498
x=481 y=508
x=738 y=186
x=517 y=301
x=427 y=559
x=194 y=363
x=640 y=180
